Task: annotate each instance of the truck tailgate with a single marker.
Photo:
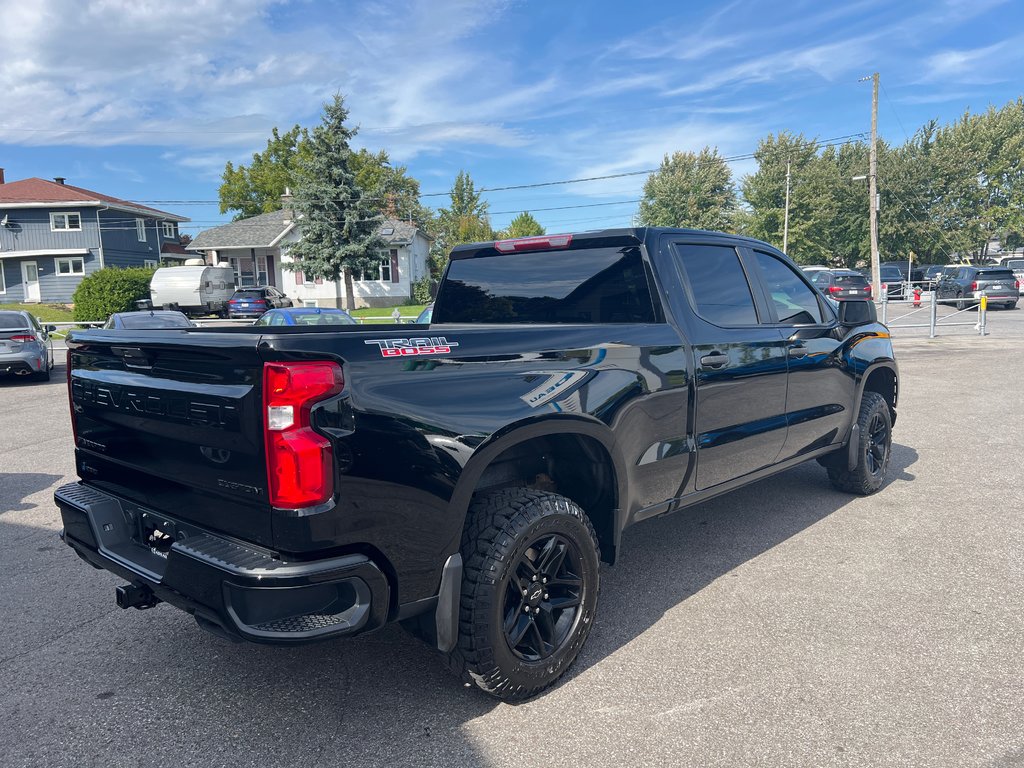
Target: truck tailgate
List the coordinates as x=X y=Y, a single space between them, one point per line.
x=172 y=421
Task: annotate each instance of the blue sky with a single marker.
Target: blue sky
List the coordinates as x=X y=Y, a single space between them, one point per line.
x=148 y=99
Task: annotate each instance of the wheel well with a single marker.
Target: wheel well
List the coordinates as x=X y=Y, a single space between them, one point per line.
x=575 y=466
x=883 y=381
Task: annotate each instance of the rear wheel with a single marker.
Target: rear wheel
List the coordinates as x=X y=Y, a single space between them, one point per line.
x=961 y=305
x=529 y=591
x=873 y=450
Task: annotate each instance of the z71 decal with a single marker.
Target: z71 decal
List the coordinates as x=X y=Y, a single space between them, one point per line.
x=434 y=345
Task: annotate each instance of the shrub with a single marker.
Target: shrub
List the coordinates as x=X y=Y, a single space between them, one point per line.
x=421 y=291
x=111 y=290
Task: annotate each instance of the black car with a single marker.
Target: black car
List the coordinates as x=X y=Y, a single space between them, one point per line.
x=842 y=284
x=893 y=280
x=253 y=302
x=153 y=318
x=968 y=284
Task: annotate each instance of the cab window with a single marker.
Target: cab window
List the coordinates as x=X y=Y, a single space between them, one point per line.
x=794 y=301
x=719 y=287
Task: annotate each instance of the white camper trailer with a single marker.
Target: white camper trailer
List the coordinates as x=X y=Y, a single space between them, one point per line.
x=194 y=290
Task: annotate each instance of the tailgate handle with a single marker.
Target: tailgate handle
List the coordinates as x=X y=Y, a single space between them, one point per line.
x=714 y=360
x=133 y=357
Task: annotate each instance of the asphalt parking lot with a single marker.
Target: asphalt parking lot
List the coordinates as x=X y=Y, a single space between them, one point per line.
x=784 y=624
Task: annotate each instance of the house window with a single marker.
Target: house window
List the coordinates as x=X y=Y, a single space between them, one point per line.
x=65 y=222
x=140 y=229
x=168 y=228
x=70 y=267
x=309 y=303
x=149 y=263
x=382 y=273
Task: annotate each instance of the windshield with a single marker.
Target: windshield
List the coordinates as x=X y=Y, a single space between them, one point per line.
x=12 y=321
x=850 y=280
x=995 y=274
x=1015 y=264
x=138 y=322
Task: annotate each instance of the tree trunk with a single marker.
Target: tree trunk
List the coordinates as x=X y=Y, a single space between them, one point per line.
x=350 y=299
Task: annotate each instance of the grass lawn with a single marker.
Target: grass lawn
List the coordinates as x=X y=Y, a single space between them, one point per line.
x=409 y=311
x=48 y=313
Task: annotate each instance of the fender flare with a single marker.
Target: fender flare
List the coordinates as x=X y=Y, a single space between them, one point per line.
x=542 y=426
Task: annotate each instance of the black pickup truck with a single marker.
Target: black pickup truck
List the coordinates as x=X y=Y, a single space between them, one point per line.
x=466 y=478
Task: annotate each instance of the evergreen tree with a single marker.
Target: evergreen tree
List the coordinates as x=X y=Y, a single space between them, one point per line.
x=339 y=226
x=523 y=225
x=689 y=190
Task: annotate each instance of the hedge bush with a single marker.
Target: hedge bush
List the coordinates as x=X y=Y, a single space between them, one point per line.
x=111 y=290
x=421 y=291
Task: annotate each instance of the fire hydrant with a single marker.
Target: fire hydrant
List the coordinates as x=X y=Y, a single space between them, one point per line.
x=917 y=296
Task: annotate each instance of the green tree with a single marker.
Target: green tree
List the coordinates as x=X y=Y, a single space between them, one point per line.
x=764 y=192
x=256 y=188
x=389 y=188
x=690 y=190
x=523 y=225
x=339 y=226
x=110 y=290
x=465 y=220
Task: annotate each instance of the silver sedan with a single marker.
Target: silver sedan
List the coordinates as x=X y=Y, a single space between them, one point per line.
x=25 y=346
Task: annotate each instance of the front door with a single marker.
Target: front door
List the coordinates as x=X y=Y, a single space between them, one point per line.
x=30 y=280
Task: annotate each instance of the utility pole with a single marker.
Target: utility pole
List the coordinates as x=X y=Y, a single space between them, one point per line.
x=876 y=281
x=785 y=225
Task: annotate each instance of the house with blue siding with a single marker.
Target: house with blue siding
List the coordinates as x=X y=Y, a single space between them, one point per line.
x=53 y=234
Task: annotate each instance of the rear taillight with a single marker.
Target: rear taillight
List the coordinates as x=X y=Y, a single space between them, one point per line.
x=868 y=286
x=1016 y=284
x=834 y=289
x=23 y=338
x=300 y=466
x=542 y=243
x=71 y=402
x=234 y=301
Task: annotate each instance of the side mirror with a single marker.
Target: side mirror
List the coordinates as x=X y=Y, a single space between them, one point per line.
x=50 y=328
x=857 y=312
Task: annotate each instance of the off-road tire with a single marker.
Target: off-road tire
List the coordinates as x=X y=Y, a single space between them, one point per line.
x=874 y=449
x=498 y=541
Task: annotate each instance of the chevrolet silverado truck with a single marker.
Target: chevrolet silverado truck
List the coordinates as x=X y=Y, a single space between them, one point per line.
x=466 y=477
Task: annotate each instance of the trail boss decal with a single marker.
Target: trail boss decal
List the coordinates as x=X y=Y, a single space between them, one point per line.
x=434 y=345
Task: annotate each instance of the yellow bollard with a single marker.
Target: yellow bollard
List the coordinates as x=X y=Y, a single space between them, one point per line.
x=984 y=303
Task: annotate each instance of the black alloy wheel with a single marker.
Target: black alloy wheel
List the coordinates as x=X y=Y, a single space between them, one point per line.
x=874 y=450
x=876 y=453
x=542 y=598
x=531 y=575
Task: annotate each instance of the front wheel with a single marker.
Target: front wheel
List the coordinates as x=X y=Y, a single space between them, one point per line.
x=529 y=591
x=873 y=450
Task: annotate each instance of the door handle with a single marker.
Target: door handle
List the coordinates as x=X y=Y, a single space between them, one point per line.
x=798 y=351
x=714 y=360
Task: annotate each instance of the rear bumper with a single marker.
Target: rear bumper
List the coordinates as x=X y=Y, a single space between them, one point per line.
x=997 y=298
x=242 y=313
x=230 y=588
x=22 y=363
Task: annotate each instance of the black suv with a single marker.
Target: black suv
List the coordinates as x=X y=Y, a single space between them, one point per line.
x=253 y=302
x=968 y=284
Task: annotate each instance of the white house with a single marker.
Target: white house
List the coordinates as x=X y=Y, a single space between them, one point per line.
x=257 y=248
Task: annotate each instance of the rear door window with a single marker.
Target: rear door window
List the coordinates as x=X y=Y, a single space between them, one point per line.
x=718 y=284
x=794 y=301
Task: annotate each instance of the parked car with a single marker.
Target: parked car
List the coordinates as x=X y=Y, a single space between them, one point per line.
x=306 y=316
x=1017 y=267
x=916 y=272
x=932 y=272
x=842 y=283
x=893 y=279
x=194 y=290
x=25 y=345
x=426 y=314
x=968 y=284
x=153 y=318
x=253 y=302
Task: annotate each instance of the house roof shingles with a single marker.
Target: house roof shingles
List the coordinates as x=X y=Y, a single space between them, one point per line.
x=40 y=191
x=263 y=230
